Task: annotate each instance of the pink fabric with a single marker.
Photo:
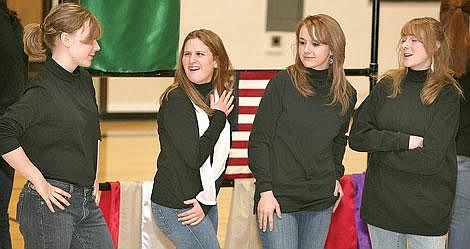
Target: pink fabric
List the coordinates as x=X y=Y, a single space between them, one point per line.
x=110 y=203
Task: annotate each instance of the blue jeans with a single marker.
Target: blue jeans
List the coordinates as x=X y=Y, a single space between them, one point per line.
x=385 y=239
x=6 y=184
x=459 y=236
x=80 y=225
x=298 y=230
x=200 y=236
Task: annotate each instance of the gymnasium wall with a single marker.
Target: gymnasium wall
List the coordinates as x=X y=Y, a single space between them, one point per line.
x=241 y=25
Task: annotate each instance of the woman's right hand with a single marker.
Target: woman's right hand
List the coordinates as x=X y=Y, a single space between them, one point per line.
x=52 y=195
x=225 y=103
x=267 y=205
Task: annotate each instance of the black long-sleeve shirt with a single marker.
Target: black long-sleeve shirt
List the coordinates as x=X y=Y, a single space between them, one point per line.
x=183 y=152
x=13 y=62
x=56 y=123
x=463 y=136
x=408 y=191
x=297 y=144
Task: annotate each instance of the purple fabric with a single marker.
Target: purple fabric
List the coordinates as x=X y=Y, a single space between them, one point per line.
x=363 y=240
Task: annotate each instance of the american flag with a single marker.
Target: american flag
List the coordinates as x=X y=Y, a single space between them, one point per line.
x=250 y=87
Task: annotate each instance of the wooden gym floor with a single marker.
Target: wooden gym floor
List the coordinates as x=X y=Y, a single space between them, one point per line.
x=128 y=152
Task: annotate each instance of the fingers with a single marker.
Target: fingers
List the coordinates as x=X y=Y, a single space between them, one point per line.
x=53 y=196
x=194 y=215
x=212 y=101
x=338 y=192
x=49 y=205
x=278 y=211
x=190 y=201
x=265 y=220
x=336 y=205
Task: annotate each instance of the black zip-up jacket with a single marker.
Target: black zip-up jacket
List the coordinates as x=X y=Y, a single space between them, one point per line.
x=408 y=191
x=56 y=123
x=297 y=144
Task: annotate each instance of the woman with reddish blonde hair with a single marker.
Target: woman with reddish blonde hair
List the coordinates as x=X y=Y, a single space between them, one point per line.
x=194 y=139
x=408 y=125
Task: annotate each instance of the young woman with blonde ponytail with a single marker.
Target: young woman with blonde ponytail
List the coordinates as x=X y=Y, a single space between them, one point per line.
x=51 y=136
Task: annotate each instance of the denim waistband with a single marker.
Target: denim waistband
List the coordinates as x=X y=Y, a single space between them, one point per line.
x=67 y=187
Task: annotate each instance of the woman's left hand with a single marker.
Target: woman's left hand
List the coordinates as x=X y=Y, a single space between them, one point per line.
x=194 y=215
x=96 y=192
x=338 y=192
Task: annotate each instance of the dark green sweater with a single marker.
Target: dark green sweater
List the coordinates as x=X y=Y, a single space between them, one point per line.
x=56 y=122
x=297 y=144
x=183 y=152
x=408 y=191
x=13 y=64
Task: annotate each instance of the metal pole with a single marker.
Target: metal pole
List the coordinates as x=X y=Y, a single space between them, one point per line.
x=374 y=49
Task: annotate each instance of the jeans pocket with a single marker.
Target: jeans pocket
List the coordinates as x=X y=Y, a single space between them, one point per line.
x=20 y=205
x=161 y=220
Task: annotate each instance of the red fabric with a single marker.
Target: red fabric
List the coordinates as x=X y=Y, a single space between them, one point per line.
x=342 y=233
x=248 y=110
x=257 y=75
x=239 y=144
x=237 y=167
x=110 y=202
x=250 y=92
x=245 y=127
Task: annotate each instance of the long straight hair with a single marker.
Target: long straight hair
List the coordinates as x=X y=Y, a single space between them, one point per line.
x=429 y=32
x=325 y=30
x=222 y=78
x=454 y=16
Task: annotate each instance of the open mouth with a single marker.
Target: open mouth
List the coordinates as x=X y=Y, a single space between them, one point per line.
x=407 y=55
x=193 y=68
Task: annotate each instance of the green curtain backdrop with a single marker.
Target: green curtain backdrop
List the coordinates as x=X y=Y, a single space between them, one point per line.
x=138 y=36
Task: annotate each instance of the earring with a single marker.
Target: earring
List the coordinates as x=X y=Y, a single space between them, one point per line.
x=432 y=64
x=330 y=59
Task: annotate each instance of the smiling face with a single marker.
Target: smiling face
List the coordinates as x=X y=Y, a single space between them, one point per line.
x=198 y=61
x=312 y=53
x=414 y=53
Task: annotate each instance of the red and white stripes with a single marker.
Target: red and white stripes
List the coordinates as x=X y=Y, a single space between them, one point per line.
x=251 y=85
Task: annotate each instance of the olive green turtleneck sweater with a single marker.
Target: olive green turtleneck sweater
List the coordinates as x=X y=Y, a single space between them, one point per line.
x=297 y=144
x=408 y=191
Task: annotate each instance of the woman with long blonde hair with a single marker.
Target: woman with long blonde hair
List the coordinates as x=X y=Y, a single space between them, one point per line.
x=408 y=125
x=298 y=139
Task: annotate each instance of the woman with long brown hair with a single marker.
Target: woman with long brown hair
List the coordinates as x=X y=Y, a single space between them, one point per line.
x=454 y=16
x=408 y=125
x=51 y=136
x=298 y=139
x=195 y=140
